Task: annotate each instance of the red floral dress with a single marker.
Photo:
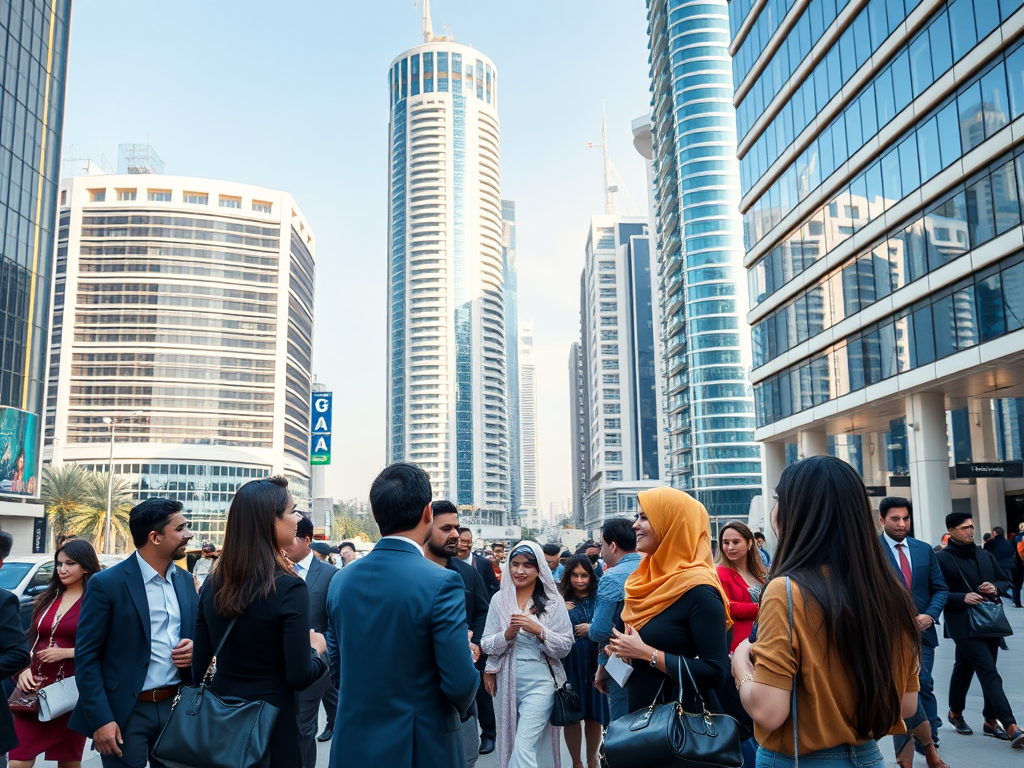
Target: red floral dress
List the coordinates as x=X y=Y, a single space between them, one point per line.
x=54 y=738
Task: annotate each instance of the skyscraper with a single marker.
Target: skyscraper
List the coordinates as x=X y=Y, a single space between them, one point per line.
x=508 y=258
x=528 y=418
x=182 y=330
x=709 y=401
x=580 y=430
x=622 y=374
x=447 y=389
x=882 y=169
x=35 y=45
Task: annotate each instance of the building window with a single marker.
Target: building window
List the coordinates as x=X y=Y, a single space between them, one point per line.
x=63 y=197
x=614 y=457
x=606 y=266
x=196 y=198
x=608 y=321
x=610 y=378
x=159 y=195
x=614 y=476
x=611 y=408
x=613 y=423
x=230 y=202
x=261 y=207
x=607 y=293
x=609 y=306
x=97 y=195
x=126 y=195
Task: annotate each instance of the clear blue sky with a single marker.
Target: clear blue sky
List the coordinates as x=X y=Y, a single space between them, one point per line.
x=293 y=96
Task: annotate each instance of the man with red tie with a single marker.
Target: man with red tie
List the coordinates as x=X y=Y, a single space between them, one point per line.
x=918 y=569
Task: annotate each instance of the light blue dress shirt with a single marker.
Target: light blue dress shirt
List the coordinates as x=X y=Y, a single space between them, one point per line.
x=164 y=625
x=611 y=594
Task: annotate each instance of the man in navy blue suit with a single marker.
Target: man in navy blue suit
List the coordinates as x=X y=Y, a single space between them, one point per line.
x=133 y=647
x=399 y=641
x=916 y=566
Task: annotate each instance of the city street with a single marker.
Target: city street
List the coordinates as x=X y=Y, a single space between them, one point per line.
x=957 y=751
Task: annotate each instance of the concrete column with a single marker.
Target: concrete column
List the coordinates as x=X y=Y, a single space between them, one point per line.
x=875 y=460
x=929 y=464
x=774 y=462
x=991 y=491
x=813 y=442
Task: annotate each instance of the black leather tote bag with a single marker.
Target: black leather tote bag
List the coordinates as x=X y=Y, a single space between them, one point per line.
x=207 y=731
x=667 y=736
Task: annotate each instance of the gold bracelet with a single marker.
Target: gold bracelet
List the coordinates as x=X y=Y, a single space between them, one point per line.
x=744 y=679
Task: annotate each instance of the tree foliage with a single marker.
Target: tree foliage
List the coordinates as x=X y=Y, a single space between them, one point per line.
x=76 y=504
x=346 y=523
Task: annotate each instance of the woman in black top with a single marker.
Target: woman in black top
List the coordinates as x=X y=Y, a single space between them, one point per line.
x=267 y=657
x=675 y=605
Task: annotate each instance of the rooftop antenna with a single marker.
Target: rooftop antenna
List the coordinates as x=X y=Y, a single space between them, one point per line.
x=612 y=182
x=428 y=26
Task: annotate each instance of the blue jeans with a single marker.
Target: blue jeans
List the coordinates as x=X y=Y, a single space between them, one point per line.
x=844 y=756
x=927 y=694
x=618 y=701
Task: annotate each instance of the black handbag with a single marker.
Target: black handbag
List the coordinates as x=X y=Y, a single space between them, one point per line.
x=207 y=731
x=986 y=620
x=666 y=735
x=567 y=709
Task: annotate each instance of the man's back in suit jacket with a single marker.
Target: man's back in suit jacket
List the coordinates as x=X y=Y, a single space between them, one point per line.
x=112 y=644
x=318 y=582
x=486 y=569
x=400 y=654
x=928 y=587
x=14 y=657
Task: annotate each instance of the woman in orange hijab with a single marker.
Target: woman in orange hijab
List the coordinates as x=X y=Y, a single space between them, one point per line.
x=675 y=605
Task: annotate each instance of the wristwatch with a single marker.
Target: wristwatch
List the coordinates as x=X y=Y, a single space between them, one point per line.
x=654 y=658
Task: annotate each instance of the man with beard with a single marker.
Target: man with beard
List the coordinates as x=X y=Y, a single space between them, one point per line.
x=442 y=548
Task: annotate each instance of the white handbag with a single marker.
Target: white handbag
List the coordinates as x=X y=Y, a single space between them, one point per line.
x=57 y=699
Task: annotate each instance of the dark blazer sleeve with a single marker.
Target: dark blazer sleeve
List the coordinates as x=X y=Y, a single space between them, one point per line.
x=937 y=585
x=459 y=678
x=1001 y=579
x=14 y=655
x=90 y=638
x=481 y=602
x=486 y=571
x=333 y=651
x=301 y=663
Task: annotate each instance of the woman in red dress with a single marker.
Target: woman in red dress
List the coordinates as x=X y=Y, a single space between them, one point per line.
x=742 y=575
x=52 y=638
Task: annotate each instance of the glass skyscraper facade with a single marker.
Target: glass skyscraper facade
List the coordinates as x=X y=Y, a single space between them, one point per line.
x=447 y=372
x=508 y=258
x=33 y=48
x=883 y=178
x=709 y=406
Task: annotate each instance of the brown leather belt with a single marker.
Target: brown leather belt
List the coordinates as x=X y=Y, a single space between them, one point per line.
x=159 y=694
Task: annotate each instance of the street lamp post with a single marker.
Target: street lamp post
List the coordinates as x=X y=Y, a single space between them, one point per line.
x=108 y=545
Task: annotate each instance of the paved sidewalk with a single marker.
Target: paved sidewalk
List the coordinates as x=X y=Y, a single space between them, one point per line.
x=957 y=751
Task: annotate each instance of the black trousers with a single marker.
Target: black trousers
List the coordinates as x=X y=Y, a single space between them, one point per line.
x=331 y=704
x=139 y=734
x=485 y=712
x=308 y=713
x=976 y=655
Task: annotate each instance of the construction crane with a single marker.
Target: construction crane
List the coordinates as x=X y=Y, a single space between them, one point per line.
x=612 y=181
x=428 y=27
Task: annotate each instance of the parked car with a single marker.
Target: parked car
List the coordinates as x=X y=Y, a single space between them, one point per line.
x=27 y=576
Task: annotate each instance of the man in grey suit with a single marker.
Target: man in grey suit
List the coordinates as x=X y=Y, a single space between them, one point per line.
x=317 y=575
x=399 y=640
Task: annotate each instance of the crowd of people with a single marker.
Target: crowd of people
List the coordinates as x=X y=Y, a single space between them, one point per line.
x=426 y=651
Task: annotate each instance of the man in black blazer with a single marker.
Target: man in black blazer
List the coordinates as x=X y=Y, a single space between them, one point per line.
x=927 y=587
x=399 y=640
x=974 y=577
x=317 y=574
x=484 y=702
x=133 y=648
x=14 y=654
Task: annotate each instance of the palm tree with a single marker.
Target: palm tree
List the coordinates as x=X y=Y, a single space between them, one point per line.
x=92 y=522
x=64 y=493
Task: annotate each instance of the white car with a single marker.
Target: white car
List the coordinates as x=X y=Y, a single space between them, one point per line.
x=28 y=576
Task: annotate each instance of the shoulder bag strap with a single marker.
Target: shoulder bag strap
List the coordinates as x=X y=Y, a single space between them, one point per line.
x=792 y=698
x=967 y=582
x=212 y=668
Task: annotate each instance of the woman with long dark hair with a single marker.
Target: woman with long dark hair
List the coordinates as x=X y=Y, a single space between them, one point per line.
x=579 y=590
x=527 y=634
x=52 y=639
x=855 y=644
x=267 y=656
x=742 y=573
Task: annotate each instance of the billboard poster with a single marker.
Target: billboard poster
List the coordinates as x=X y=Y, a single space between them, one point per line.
x=19 y=453
x=320 y=429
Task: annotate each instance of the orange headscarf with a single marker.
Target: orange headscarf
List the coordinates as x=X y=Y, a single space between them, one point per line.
x=681 y=562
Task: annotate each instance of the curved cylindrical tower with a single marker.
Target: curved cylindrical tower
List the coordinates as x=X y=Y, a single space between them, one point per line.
x=446 y=406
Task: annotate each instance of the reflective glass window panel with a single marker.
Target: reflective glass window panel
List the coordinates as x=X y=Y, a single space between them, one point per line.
x=965 y=314
x=988 y=294
x=980 y=218
x=1005 y=198
x=887 y=350
x=901 y=84
x=885 y=99
x=928 y=149
x=923 y=349
x=961 y=24
x=1012 y=279
x=920 y=63
x=909 y=166
x=971 y=116
x=872 y=358
x=944 y=324
x=901 y=330
x=949 y=134
x=986 y=14
x=995 y=102
x=1015 y=77
x=941 y=46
